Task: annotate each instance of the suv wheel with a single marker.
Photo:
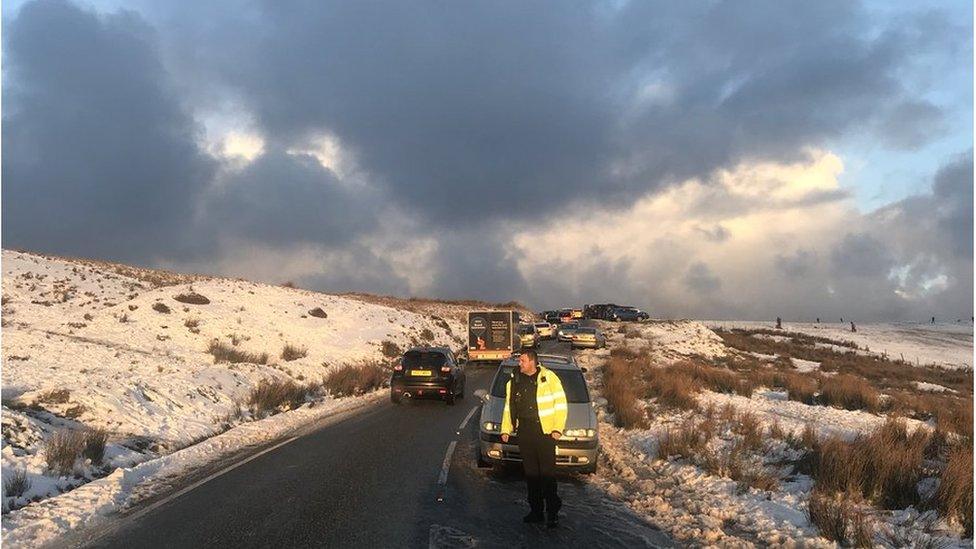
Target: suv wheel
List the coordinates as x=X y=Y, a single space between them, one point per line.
x=450 y=399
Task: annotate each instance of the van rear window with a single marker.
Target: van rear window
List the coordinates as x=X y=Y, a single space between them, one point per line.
x=423 y=359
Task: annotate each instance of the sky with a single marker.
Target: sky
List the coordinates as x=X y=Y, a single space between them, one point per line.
x=738 y=160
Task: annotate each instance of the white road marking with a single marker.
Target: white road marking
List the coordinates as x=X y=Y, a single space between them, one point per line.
x=201 y=482
x=446 y=466
x=467 y=418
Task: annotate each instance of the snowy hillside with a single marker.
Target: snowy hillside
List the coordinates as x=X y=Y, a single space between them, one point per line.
x=90 y=345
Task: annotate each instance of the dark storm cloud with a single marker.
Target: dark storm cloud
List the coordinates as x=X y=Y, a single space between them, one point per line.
x=99 y=158
x=286 y=199
x=469 y=111
x=911 y=124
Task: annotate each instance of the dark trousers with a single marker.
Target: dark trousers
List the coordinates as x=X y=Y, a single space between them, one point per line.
x=539 y=463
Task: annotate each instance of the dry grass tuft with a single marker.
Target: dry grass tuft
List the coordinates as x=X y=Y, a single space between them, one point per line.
x=390 y=349
x=16 y=484
x=849 y=392
x=621 y=388
x=62 y=450
x=355 y=379
x=226 y=353
x=954 y=497
x=673 y=387
x=95 y=440
x=293 y=352
x=840 y=519
x=160 y=307
x=687 y=441
x=750 y=428
x=192 y=298
x=270 y=395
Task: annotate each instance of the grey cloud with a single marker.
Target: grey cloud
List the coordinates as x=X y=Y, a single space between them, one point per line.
x=801 y=263
x=699 y=278
x=285 y=199
x=861 y=255
x=99 y=156
x=911 y=124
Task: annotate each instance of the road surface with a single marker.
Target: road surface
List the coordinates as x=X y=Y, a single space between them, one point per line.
x=372 y=480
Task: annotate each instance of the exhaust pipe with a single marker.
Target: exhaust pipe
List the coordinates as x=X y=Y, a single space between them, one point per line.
x=407 y=395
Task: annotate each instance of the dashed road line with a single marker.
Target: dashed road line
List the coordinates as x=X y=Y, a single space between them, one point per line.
x=467 y=418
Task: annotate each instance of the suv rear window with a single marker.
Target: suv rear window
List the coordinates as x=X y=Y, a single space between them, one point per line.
x=423 y=359
x=573 y=384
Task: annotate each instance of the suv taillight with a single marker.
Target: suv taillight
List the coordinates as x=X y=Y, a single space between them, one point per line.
x=398 y=368
x=445 y=369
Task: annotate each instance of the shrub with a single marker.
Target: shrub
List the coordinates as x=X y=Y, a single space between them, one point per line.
x=95 y=440
x=427 y=335
x=355 y=379
x=293 y=352
x=318 y=313
x=191 y=323
x=954 y=496
x=271 y=395
x=390 y=349
x=62 y=450
x=16 y=484
x=225 y=353
x=192 y=298
x=620 y=388
x=161 y=307
x=839 y=519
x=717 y=379
x=56 y=396
x=849 y=392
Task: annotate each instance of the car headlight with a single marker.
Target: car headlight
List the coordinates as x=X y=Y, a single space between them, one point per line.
x=580 y=433
x=492 y=427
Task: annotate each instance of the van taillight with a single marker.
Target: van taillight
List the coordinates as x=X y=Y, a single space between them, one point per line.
x=445 y=369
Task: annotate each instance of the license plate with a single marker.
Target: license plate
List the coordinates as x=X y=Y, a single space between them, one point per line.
x=420 y=373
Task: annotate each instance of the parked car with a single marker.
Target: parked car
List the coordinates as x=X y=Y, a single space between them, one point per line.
x=565 y=315
x=618 y=314
x=579 y=444
x=428 y=372
x=598 y=311
x=527 y=336
x=545 y=330
x=577 y=313
x=552 y=317
x=566 y=330
x=589 y=338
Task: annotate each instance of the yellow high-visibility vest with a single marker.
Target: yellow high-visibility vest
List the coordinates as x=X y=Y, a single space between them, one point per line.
x=550 y=399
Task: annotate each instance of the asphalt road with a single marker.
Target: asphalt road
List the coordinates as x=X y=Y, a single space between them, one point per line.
x=372 y=480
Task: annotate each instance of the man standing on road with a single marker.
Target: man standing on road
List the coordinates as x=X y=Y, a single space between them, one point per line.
x=535 y=409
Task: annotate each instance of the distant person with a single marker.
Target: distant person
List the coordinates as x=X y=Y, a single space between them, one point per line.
x=933 y=320
x=779 y=323
x=535 y=410
x=853 y=327
x=818 y=320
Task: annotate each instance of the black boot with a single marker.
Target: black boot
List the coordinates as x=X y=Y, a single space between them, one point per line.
x=533 y=517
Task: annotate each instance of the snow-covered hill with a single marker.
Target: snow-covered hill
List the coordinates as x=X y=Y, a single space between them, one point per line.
x=95 y=345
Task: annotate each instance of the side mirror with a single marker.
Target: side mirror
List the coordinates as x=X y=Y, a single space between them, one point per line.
x=482 y=394
x=600 y=401
x=583 y=369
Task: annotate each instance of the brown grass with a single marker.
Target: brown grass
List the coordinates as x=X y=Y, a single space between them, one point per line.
x=954 y=497
x=426 y=335
x=62 y=450
x=270 y=395
x=226 y=353
x=673 y=387
x=840 y=519
x=160 y=307
x=621 y=386
x=750 y=428
x=293 y=352
x=883 y=467
x=355 y=379
x=688 y=440
x=95 y=440
x=849 y=392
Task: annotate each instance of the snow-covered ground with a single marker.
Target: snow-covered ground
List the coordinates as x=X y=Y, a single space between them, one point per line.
x=699 y=508
x=94 y=345
x=945 y=344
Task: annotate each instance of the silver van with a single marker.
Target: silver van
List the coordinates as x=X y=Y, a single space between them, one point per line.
x=579 y=445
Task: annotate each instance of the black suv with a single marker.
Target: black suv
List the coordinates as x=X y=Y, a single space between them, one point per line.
x=427 y=372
